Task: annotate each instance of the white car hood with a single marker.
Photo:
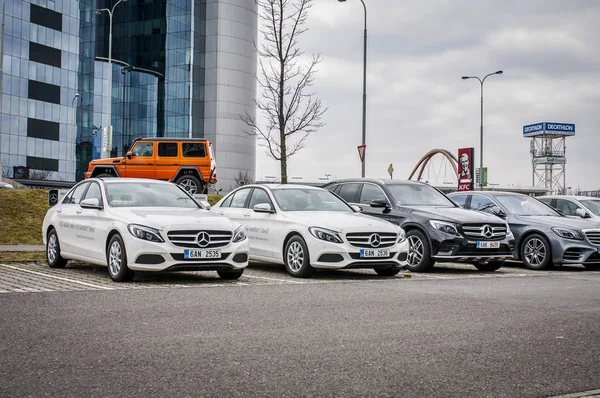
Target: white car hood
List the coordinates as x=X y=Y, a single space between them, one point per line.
x=174 y=218
x=341 y=222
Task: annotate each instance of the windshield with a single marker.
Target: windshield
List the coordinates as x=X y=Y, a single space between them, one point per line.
x=593 y=205
x=521 y=205
x=418 y=195
x=298 y=199
x=148 y=194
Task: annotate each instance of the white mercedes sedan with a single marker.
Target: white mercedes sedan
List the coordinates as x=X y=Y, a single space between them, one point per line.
x=306 y=227
x=132 y=225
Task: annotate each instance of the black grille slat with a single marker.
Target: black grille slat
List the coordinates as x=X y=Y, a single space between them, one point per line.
x=361 y=239
x=188 y=238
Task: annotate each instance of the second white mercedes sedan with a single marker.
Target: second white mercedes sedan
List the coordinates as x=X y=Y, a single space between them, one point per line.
x=306 y=227
x=134 y=224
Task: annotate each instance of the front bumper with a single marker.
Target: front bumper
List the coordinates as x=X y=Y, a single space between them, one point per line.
x=164 y=256
x=327 y=255
x=566 y=251
x=450 y=248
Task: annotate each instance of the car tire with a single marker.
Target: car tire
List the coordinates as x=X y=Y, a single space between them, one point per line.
x=297 y=258
x=419 y=254
x=53 y=257
x=190 y=183
x=230 y=274
x=116 y=258
x=103 y=175
x=490 y=266
x=536 y=252
x=388 y=271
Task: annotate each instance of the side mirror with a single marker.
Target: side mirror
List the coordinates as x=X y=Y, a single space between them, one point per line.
x=91 y=203
x=498 y=212
x=358 y=209
x=380 y=203
x=129 y=154
x=205 y=204
x=582 y=213
x=263 y=208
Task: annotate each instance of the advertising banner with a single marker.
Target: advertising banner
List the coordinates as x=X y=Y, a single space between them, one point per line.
x=466 y=176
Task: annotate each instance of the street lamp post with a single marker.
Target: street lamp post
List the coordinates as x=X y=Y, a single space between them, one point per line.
x=364 y=101
x=481 y=81
x=110 y=12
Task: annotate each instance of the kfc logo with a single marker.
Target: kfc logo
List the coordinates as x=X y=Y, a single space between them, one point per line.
x=465 y=169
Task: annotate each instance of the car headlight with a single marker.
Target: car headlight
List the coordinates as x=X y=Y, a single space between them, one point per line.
x=445 y=227
x=145 y=233
x=567 y=233
x=401 y=235
x=239 y=234
x=325 y=234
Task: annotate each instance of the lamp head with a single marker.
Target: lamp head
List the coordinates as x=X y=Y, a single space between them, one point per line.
x=341 y=1
x=499 y=72
x=465 y=77
x=98 y=11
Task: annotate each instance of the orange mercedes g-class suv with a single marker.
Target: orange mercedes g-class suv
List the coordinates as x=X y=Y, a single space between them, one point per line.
x=188 y=162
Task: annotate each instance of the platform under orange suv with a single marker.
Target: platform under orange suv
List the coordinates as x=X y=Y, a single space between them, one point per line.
x=187 y=162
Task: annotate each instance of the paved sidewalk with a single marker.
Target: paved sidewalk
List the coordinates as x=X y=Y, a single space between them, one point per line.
x=22 y=248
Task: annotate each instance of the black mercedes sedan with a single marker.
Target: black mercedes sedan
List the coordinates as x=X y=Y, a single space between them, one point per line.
x=542 y=235
x=437 y=229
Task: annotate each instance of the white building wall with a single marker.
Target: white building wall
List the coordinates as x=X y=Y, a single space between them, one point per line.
x=231 y=61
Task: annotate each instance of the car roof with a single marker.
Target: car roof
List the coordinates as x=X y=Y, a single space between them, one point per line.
x=377 y=181
x=121 y=180
x=571 y=197
x=171 y=139
x=281 y=186
x=489 y=193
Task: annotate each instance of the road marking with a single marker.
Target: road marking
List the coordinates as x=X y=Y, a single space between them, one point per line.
x=275 y=279
x=584 y=394
x=58 y=277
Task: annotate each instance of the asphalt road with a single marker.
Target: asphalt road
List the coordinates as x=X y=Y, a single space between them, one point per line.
x=452 y=333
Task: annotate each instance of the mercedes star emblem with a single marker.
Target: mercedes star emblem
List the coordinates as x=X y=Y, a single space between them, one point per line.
x=486 y=231
x=375 y=240
x=203 y=239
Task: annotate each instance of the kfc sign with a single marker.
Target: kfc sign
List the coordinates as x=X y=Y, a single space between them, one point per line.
x=466 y=177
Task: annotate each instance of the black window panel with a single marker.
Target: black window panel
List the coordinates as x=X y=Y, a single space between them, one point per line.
x=45 y=17
x=37 y=128
x=42 y=163
x=44 y=54
x=167 y=149
x=44 y=92
x=349 y=192
x=194 y=150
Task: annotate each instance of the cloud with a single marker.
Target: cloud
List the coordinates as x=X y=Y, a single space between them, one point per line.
x=417 y=101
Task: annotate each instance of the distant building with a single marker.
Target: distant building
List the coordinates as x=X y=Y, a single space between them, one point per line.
x=181 y=68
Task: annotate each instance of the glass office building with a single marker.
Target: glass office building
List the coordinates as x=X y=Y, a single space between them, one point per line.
x=180 y=68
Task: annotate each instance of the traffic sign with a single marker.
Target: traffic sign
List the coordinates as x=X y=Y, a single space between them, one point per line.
x=391 y=170
x=361 y=152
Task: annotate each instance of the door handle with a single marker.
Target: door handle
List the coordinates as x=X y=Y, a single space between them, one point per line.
x=59 y=211
x=220 y=213
x=78 y=211
x=246 y=214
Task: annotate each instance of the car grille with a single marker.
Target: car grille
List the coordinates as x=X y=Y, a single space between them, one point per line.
x=478 y=231
x=365 y=239
x=593 y=237
x=189 y=238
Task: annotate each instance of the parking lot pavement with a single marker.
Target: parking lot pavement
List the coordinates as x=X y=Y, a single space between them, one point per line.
x=32 y=277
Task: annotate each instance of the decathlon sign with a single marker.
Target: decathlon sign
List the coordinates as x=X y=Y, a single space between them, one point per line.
x=548 y=128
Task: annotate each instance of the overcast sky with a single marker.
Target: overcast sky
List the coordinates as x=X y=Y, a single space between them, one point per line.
x=416 y=100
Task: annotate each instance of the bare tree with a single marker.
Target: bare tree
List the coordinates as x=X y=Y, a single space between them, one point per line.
x=39 y=174
x=243 y=178
x=292 y=112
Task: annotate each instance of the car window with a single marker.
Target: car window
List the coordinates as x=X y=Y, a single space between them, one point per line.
x=460 y=200
x=481 y=203
x=593 y=205
x=259 y=196
x=418 y=195
x=227 y=202
x=371 y=192
x=239 y=199
x=566 y=207
x=167 y=149
x=75 y=196
x=94 y=192
x=547 y=201
x=143 y=149
x=349 y=192
x=523 y=205
x=193 y=149
x=148 y=194
x=305 y=199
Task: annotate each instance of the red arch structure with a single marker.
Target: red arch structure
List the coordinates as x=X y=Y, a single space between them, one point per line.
x=422 y=163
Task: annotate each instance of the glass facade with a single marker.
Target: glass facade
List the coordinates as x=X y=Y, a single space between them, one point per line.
x=180 y=68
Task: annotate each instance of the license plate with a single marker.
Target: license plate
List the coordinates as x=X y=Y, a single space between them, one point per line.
x=599 y=250
x=364 y=253
x=189 y=254
x=488 y=245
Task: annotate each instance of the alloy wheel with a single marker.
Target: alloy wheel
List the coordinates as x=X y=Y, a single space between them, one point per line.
x=295 y=256
x=535 y=251
x=189 y=185
x=415 y=250
x=114 y=258
x=52 y=248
